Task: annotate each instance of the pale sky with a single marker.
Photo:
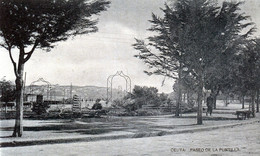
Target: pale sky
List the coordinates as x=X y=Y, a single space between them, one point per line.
x=90 y=59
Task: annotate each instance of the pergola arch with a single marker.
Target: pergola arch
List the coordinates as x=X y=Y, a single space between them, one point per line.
x=48 y=85
x=110 y=84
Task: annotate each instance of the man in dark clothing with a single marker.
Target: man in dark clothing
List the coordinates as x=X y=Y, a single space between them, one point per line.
x=209 y=105
x=97 y=105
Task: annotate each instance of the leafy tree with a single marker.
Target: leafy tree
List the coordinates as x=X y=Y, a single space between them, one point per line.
x=257 y=70
x=190 y=36
x=40 y=107
x=7 y=91
x=249 y=71
x=163 y=99
x=238 y=77
x=228 y=46
x=145 y=96
x=29 y=25
x=142 y=96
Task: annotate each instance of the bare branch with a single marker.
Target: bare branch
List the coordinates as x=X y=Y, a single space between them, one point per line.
x=13 y=62
x=2 y=45
x=29 y=54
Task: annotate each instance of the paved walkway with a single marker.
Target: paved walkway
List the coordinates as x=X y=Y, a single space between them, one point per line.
x=64 y=131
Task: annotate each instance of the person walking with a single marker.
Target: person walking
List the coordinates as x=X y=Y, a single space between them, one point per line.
x=209 y=105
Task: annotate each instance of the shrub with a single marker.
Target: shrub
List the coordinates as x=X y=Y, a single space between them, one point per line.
x=40 y=108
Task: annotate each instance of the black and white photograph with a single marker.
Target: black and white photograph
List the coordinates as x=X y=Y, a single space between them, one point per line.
x=129 y=77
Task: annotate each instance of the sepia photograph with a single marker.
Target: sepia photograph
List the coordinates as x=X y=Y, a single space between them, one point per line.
x=129 y=77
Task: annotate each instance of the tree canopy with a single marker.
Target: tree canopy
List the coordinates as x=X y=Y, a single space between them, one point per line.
x=193 y=39
x=41 y=23
x=30 y=24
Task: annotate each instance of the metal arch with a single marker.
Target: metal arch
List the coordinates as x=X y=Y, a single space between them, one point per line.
x=110 y=84
x=128 y=81
x=41 y=80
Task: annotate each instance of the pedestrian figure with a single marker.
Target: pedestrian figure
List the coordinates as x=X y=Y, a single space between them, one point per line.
x=209 y=105
x=97 y=105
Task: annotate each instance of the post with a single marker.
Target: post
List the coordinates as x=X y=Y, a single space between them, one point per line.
x=70 y=90
x=257 y=100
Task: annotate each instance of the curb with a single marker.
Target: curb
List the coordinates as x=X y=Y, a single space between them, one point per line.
x=138 y=135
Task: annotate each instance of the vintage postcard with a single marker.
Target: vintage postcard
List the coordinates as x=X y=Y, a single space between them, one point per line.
x=129 y=77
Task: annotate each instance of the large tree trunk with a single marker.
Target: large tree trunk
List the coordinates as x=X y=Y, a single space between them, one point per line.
x=253 y=103
x=200 y=96
x=243 y=101
x=257 y=100
x=177 y=111
x=18 y=128
x=179 y=100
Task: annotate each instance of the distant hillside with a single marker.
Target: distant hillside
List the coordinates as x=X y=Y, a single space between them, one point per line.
x=60 y=92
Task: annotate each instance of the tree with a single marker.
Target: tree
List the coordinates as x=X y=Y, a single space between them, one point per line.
x=29 y=25
x=142 y=96
x=229 y=44
x=40 y=107
x=7 y=92
x=249 y=71
x=145 y=96
x=257 y=70
x=190 y=36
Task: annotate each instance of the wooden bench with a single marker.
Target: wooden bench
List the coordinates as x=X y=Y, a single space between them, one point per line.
x=243 y=113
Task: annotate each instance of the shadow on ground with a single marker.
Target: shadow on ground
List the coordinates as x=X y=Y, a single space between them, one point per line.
x=215 y=118
x=95 y=126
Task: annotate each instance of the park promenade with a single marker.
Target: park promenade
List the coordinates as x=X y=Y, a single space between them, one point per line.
x=39 y=132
